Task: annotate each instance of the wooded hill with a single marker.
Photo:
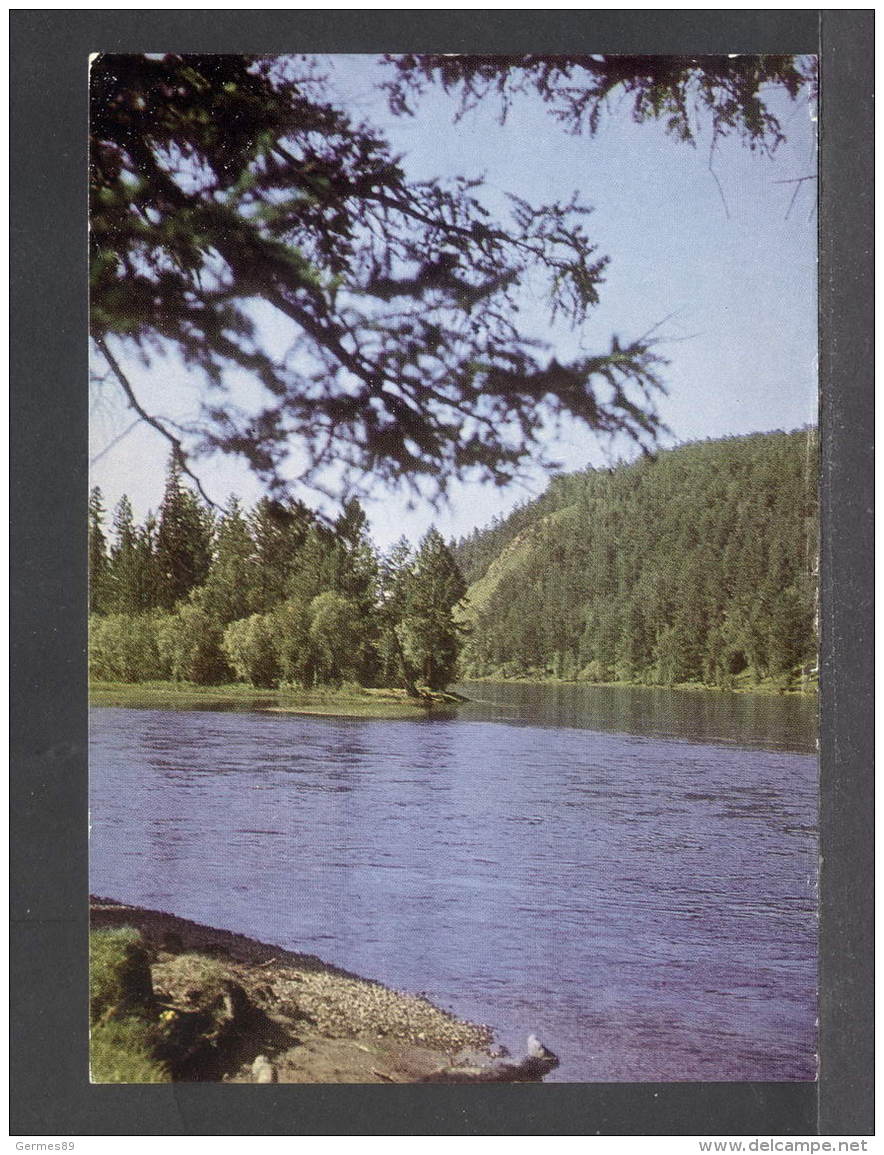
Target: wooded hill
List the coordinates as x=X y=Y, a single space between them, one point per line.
x=698 y=565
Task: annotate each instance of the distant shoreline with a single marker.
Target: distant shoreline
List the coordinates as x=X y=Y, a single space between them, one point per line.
x=766 y=688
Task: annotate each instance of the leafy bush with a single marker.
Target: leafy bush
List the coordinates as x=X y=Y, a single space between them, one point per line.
x=190 y=643
x=124 y=647
x=294 y=649
x=250 y=646
x=593 y=671
x=335 y=635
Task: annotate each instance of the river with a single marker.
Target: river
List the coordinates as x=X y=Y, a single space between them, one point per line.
x=629 y=874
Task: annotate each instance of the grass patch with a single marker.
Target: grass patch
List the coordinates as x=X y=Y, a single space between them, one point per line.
x=125 y=1031
x=344 y=701
x=122 y=1051
x=119 y=974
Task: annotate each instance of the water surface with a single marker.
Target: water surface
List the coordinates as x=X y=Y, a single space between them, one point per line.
x=634 y=885
x=761 y=721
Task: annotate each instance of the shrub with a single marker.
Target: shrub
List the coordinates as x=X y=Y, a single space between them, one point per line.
x=250 y=646
x=123 y=647
x=336 y=636
x=190 y=644
x=294 y=651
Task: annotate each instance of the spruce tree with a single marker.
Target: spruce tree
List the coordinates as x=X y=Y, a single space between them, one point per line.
x=279 y=530
x=358 y=564
x=229 y=592
x=124 y=582
x=98 y=559
x=435 y=588
x=696 y=566
x=183 y=540
x=148 y=583
x=357 y=580
x=395 y=572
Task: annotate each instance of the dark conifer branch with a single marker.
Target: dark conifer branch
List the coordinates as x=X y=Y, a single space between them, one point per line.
x=218 y=181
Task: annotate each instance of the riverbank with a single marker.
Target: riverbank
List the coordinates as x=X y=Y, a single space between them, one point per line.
x=343 y=702
x=741 y=685
x=229 y=1009
x=360 y=702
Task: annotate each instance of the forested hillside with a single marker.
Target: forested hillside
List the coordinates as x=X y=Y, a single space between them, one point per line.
x=696 y=566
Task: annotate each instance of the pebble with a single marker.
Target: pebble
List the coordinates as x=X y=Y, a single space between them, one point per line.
x=263 y=1071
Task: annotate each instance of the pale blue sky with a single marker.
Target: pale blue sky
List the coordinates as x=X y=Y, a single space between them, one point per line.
x=730 y=273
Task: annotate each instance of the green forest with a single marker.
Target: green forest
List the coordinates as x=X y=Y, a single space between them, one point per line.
x=697 y=565
x=272 y=596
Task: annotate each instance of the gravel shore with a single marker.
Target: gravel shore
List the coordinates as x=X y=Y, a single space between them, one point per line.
x=296 y=1019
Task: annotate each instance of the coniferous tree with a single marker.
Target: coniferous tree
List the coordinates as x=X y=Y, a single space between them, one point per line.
x=357 y=561
x=183 y=544
x=696 y=566
x=147 y=563
x=230 y=588
x=433 y=636
x=395 y=573
x=356 y=579
x=279 y=531
x=401 y=293
x=98 y=559
x=124 y=574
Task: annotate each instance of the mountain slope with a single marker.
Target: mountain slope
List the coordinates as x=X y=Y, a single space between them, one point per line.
x=699 y=565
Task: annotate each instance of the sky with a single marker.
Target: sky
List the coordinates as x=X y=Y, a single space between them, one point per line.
x=711 y=249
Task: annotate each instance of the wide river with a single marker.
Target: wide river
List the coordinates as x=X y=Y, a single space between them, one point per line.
x=629 y=874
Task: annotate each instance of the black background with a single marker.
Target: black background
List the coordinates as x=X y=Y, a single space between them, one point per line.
x=50 y=1089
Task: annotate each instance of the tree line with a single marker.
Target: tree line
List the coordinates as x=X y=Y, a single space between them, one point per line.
x=269 y=596
x=697 y=565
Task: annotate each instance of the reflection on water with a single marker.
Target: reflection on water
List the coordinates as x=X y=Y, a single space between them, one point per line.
x=767 y=721
x=646 y=905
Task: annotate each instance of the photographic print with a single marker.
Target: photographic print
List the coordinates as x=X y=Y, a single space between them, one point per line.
x=453 y=551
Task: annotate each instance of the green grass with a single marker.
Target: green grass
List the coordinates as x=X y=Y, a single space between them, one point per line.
x=344 y=701
x=119 y=973
x=122 y=1051
x=124 y=1030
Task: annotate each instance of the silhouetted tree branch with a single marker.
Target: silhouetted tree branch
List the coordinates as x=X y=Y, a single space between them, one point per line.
x=684 y=92
x=219 y=182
